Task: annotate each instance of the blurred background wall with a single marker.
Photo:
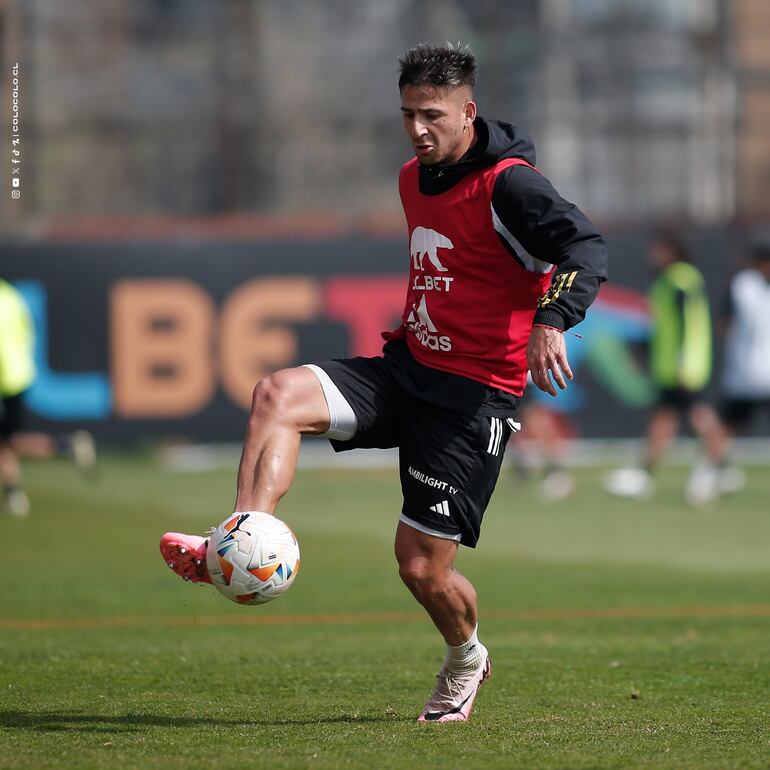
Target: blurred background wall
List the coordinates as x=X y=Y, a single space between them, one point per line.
x=171 y=129
x=640 y=108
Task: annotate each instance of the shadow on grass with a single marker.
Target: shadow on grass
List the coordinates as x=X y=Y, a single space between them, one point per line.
x=48 y=721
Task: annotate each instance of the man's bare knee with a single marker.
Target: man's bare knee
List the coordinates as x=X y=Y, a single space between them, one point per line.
x=271 y=396
x=422 y=558
x=414 y=571
x=422 y=577
x=703 y=418
x=293 y=398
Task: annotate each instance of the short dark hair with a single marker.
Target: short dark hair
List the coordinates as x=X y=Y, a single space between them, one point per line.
x=444 y=66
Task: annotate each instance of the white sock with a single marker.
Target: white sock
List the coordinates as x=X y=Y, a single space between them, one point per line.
x=466 y=657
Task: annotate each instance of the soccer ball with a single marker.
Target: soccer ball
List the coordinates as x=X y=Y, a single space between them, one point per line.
x=252 y=558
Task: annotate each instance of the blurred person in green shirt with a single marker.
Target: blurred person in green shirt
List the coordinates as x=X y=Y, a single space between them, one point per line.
x=17 y=374
x=680 y=368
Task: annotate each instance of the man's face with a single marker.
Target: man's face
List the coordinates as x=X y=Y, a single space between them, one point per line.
x=438 y=122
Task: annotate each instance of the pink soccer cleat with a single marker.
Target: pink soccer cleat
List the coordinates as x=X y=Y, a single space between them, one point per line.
x=452 y=700
x=186 y=555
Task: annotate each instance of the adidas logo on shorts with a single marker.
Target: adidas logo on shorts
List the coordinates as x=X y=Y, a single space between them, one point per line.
x=442 y=508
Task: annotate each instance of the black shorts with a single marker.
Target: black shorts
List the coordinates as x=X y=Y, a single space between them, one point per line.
x=450 y=452
x=679 y=399
x=11 y=415
x=738 y=413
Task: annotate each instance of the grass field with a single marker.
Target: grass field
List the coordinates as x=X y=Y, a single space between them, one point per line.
x=622 y=635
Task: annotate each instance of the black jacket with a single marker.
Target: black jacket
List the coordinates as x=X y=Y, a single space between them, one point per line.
x=532 y=221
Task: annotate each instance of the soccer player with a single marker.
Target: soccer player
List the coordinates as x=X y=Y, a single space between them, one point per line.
x=500 y=265
x=680 y=364
x=17 y=374
x=541 y=448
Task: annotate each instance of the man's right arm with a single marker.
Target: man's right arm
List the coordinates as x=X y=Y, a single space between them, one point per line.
x=553 y=230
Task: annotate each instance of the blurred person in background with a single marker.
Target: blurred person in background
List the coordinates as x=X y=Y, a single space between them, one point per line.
x=484 y=304
x=540 y=449
x=17 y=374
x=746 y=372
x=680 y=367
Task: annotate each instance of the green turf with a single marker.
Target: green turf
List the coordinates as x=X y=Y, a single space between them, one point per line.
x=622 y=635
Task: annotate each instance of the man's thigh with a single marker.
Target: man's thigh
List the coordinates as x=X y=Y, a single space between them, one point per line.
x=375 y=398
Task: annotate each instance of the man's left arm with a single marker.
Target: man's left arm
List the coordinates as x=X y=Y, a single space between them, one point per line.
x=553 y=230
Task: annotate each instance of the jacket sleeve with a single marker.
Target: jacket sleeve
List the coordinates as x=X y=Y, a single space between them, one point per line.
x=531 y=217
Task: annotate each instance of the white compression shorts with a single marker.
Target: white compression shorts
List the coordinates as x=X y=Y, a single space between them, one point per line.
x=342 y=420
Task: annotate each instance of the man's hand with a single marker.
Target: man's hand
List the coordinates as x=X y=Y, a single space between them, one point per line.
x=546 y=353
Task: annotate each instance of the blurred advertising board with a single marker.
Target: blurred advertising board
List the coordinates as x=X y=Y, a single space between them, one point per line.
x=141 y=340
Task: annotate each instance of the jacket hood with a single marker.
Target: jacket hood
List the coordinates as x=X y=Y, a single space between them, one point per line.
x=496 y=141
x=503 y=140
